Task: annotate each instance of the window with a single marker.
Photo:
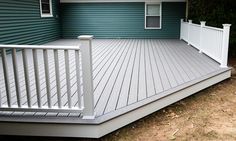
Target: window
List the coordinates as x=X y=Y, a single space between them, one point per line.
x=46 y=8
x=152 y=15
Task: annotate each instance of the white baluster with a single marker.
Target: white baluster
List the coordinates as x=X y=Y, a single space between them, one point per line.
x=56 y=60
x=37 y=78
x=6 y=76
x=77 y=60
x=27 y=81
x=67 y=67
x=16 y=76
x=46 y=67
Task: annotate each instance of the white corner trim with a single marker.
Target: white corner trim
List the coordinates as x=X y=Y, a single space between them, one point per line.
x=41 y=11
x=104 y=1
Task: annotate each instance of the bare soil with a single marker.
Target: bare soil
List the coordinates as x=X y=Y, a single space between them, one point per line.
x=207 y=115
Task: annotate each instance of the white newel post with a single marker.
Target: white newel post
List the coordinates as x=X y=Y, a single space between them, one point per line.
x=203 y=23
x=0 y=98
x=87 y=75
x=189 y=22
x=225 y=45
x=181 y=29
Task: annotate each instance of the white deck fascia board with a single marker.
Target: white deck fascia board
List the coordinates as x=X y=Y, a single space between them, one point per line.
x=96 y=131
x=106 y=1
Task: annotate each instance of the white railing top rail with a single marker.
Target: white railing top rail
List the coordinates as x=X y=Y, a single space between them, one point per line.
x=213 y=28
x=195 y=24
x=209 y=27
x=49 y=47
x=184 y=22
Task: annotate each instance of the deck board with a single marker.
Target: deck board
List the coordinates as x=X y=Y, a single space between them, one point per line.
x=150 y=87
x=198 y=64
x=124 y=87
x=142 y=90
x=169 y=53
x=133 y=92
x=182 y=62
x=162 y=63
x=188 y=62
x=125 y=72
x=100 y=107
x=110 y=78
x=155 y=71
x=193 y=65
x=106 y=71
x=171 y=65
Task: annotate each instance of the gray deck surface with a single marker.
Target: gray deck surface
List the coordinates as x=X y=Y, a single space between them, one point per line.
x=125 y=72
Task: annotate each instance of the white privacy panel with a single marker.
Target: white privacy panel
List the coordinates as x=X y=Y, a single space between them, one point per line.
x=194 y=35
x=212 y=42
x=184 y=31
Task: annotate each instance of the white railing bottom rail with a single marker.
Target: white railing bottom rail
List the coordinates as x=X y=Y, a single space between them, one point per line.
x=212 y=41
x=49 y=83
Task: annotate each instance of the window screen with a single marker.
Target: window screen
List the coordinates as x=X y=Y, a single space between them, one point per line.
x=153 y=21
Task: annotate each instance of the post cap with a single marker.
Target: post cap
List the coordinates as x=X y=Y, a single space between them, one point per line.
x=203 y=23
x=86 y=37
x=226 y=25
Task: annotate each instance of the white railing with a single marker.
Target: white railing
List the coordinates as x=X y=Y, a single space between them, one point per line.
x=32 y=100
x=212 y=41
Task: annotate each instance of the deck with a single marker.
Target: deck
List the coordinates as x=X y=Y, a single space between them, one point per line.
x=128 y=74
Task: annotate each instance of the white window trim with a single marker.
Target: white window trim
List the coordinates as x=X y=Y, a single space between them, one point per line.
x=41 y=11
x=145 y=26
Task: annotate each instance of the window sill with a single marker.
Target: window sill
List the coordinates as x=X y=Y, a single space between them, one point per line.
x=46 y=15
x=151 y=28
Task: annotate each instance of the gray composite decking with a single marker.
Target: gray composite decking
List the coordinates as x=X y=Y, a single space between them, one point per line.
x=128 y=73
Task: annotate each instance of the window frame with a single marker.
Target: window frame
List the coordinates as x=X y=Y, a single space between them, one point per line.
x=43 y=15
x=153 y=3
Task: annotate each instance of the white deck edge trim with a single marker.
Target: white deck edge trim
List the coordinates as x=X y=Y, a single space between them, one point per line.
x=104 y=1
x=96 y=131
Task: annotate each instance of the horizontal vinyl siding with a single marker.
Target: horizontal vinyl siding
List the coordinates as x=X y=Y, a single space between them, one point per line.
x=118 y=20
x=21 y=23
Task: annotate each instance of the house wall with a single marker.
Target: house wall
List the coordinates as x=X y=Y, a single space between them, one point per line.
x=21 y=23
x=118 y=20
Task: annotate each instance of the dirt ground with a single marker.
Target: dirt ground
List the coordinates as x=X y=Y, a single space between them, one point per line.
x=207 y=115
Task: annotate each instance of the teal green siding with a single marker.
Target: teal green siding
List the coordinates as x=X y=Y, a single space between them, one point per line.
x=118 y=20
x=21 y=23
